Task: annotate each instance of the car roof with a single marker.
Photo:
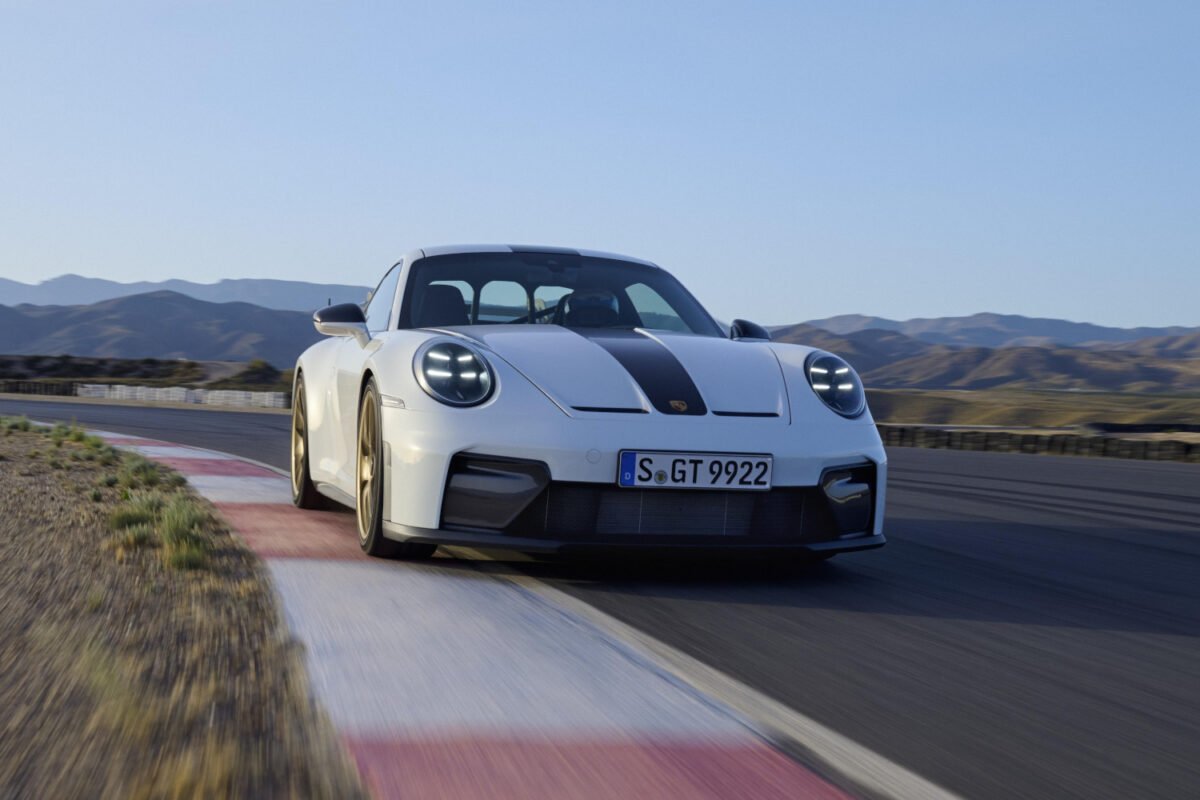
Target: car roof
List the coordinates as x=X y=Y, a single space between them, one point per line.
x=452 y=249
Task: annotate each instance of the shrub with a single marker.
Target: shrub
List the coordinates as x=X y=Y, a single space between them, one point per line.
x=137 y=536
x=183 y=520
x=182 y=528
x=187 y=558
x=141 y=508
x=137 y=472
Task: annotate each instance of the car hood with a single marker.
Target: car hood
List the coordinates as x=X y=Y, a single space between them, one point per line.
x=588 y=371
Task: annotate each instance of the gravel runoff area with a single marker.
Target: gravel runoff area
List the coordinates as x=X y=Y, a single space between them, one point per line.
x=141 y=650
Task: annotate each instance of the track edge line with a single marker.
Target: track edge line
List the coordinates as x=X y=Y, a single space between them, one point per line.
x=826 y=751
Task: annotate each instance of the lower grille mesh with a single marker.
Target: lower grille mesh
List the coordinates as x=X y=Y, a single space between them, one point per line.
x=585 y=510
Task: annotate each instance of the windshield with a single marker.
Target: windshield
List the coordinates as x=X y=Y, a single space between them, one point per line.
x=548 y=289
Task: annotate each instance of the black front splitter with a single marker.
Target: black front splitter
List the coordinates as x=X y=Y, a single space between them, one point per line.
x=485 y=540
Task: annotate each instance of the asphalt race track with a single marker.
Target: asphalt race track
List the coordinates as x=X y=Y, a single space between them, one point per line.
x=262 y=437
x=1032 y=629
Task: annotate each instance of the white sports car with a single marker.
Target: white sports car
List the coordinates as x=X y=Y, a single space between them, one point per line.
x=549 y=400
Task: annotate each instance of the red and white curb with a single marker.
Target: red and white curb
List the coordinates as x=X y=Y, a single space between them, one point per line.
x=445 y=681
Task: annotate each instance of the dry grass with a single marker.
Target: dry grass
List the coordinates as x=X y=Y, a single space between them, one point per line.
x=141 y=651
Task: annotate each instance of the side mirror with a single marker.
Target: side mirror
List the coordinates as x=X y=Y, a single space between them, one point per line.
x=344 y=319
x=744 y=329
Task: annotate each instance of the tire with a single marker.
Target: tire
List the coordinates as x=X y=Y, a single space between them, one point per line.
x=304 y=492
x=368 y=485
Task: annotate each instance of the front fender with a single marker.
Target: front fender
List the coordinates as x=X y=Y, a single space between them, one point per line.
x=807 y=408
x=416 y=471
x=317 y=366
x=392 y=367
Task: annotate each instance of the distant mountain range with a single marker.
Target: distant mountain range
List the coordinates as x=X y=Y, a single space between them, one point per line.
x=947 y=353
x=75 y=290
x=158 y=325
x=976 y=330
x=997 y=330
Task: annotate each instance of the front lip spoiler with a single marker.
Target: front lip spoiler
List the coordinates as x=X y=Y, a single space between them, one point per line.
x=493 y=541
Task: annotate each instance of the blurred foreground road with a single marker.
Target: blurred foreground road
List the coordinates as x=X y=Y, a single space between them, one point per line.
x=1032 y=629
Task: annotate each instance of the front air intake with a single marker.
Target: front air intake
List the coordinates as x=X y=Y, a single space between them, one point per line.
x=516 y=498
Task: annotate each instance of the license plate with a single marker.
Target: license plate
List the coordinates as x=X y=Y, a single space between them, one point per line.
x=656 y=470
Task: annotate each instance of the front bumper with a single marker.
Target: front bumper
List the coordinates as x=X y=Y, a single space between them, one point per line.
x=421 y=446
x=515 y=504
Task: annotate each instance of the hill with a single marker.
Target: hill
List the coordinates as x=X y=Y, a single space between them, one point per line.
x=73 y=290
x=1023 y=408
x=867 y=350
x=1185 y=346
x=997 y=330
x=64 y=368
x=1041 y=368
x=158 y=325
x=892 y=360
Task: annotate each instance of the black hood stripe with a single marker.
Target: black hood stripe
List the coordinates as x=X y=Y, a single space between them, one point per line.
x=655 y=368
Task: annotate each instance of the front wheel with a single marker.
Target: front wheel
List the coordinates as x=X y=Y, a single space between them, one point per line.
x=304 y=492
x=368 y=482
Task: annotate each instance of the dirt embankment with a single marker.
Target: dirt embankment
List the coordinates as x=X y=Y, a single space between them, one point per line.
x=141 y=652
x=1028 y=409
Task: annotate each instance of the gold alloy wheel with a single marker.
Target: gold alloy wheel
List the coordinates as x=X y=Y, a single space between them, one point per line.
x=299 y=441
x=368 y=467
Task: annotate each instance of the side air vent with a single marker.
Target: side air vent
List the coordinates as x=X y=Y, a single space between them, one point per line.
x=746 y=413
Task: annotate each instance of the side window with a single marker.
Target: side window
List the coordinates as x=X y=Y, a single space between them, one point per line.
x=379 y=308
x=654 y=311
x=545 y=301
x=502 y=301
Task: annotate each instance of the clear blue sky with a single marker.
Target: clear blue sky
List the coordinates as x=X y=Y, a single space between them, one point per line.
x=787 y=160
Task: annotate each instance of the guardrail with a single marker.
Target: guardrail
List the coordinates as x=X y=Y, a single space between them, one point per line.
x=179 y=394
x=1064 y=444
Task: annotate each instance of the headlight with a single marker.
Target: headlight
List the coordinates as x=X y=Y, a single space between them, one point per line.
x=836 y=383
x=453 y=373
